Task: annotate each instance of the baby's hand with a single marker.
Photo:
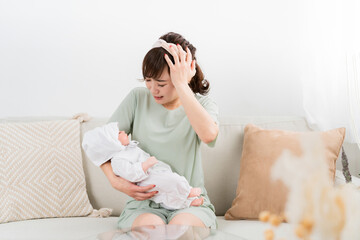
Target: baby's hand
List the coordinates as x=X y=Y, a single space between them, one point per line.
x=151 y=161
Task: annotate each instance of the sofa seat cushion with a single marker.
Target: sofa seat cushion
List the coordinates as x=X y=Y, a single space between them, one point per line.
x=253 y=229
x=88 y=228
x=57 y=228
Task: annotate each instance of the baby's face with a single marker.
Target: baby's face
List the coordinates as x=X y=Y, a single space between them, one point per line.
x=123 y=138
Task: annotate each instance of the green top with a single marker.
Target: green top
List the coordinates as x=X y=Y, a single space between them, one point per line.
x=165 y=134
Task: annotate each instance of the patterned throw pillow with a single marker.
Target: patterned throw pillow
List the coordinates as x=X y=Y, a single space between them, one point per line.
x=41 y=173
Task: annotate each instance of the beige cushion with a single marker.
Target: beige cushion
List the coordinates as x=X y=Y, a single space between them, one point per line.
x=221 y=164
x=256 y=191
x=41 y=173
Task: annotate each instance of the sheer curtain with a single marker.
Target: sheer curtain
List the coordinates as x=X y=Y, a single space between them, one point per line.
x=331 y=65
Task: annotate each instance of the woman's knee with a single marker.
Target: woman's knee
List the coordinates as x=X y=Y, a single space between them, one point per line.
x=187 y=219
x=147 y=219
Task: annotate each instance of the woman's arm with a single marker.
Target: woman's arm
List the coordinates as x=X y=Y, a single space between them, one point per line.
x=129 y=188
x=125 y=112
x=181 y=73
x=199 y=118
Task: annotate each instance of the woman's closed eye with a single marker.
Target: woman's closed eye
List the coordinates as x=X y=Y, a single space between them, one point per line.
x=159 y=85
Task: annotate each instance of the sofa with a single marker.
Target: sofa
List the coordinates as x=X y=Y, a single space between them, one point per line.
x=221 y=169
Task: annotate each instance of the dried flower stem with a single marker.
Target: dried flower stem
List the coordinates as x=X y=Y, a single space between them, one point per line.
x=345 y=165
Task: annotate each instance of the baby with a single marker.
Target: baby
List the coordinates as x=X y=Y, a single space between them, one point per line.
x=135 y=165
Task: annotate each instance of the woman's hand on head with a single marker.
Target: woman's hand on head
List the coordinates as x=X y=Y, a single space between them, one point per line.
x=132 y=190
x=184 y=68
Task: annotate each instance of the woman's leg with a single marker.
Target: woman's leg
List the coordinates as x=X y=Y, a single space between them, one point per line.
x=187 y=219
x=147 y=219
x=194 y=232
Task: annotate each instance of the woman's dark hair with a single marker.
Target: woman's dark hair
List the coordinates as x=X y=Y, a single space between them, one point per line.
x=154 y=63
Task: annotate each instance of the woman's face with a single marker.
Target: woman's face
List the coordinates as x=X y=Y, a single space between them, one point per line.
x=163 y=91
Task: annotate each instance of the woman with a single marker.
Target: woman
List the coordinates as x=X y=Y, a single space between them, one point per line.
x=170 y=117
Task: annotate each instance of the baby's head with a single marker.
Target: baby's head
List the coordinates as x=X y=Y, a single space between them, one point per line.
x=123 y=138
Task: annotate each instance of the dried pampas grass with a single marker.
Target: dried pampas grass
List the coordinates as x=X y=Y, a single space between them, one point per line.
x=317 y=209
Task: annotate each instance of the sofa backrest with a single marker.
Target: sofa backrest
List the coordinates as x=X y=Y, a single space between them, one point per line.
x=221 y=164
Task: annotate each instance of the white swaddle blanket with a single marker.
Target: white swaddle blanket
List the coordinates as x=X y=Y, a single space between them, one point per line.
x=101 y=144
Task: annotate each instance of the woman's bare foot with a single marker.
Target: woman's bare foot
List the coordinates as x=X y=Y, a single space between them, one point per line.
x=197 y=202
x=194 y=192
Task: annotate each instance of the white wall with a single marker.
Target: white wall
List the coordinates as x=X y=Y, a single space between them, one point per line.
x=64 y=57
x=58 y=58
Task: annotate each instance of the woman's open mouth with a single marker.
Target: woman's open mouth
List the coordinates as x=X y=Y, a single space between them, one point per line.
x=158 y=98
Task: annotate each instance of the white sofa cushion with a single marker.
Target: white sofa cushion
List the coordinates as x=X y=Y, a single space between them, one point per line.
x=76 y=228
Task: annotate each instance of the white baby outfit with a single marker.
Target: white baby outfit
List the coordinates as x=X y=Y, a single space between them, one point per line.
x=101 y=144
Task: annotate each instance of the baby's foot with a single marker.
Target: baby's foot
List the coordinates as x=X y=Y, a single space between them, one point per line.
x=194 y=192
x=197 y=202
